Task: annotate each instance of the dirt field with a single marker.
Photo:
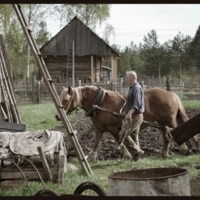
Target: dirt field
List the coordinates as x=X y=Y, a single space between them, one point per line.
x=150 y=139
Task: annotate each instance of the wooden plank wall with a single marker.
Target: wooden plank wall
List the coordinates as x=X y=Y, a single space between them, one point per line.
x=57 y=67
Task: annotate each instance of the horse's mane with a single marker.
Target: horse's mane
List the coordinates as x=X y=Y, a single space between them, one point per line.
x=79 y=94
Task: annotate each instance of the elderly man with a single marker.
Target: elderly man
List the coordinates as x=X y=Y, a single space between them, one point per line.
x=134 y=109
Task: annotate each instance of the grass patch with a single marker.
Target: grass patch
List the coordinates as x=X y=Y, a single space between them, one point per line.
x=192 y=104
x=102 y=169
x=38 y=116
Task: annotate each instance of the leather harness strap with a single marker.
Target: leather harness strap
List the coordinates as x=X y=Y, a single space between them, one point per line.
x=98 y=99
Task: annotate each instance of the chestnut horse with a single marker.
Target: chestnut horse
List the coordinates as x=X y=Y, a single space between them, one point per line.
x=161 y=106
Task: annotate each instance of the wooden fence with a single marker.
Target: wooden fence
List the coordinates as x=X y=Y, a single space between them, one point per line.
x=36 y=91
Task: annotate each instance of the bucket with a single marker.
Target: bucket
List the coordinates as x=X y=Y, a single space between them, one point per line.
x=150 y=182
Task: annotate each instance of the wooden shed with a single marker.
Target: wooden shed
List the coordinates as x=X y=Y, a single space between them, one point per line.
x=77 y=45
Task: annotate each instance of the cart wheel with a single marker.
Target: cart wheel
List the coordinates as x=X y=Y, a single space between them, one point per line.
x=46 y=192
x=90 y=189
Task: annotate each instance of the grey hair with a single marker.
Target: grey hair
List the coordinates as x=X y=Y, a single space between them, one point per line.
x=132 y=73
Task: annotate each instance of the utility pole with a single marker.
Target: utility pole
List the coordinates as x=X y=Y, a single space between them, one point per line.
x=180 y=69
x=180 y=74
x=73 y=76
x=159 y=74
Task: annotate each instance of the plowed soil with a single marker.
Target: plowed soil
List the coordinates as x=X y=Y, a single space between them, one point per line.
x=150 y=139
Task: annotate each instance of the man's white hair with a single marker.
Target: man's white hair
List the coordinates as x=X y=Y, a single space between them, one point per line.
x=132 y=73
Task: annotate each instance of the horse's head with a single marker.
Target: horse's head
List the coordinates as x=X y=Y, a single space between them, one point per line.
x=69 y=99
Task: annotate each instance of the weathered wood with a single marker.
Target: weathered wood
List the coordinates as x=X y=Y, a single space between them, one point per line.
x=186 y=130
x=28 y=167
x=61 y=169
x=87 y=45
x=38 y=92
x=6 y=76
x=12 y=127
x=10 y=184
x=45 y=164
x=168 y=84
x=33 y=89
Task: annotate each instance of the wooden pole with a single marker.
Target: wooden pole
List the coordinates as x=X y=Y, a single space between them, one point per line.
x=33 y=89
x=73 y=75
x=10 y=91
x=44 y=163
x=38 y=92
x=168 y=84
x=5 y=97
x=92 y=69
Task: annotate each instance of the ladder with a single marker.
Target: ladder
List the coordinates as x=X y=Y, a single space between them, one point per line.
x=49 y=82
x=69 y=65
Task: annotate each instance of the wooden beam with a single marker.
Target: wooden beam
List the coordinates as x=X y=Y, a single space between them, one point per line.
x=45 y=164
x=12 y=127
x=114 y=69
x=186 y=130
x=92 y=68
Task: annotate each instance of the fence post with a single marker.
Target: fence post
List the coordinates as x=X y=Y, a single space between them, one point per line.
x=38 y=92
x=142 y=84
x=168 y=85
x=33 y=89
x=120 y=85
x=79 y=83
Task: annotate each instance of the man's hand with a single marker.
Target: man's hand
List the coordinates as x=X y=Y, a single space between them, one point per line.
x=129 y=114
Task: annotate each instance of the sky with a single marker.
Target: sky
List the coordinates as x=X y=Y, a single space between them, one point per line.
x=134 y=21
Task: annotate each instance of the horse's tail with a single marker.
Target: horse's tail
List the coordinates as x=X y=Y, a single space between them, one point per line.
x=181 y=116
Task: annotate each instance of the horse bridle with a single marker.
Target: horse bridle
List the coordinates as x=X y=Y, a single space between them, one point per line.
x=71 y=99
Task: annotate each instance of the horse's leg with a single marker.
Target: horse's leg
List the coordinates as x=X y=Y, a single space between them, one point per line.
x=98 y=136
x=166 y=139
x=196 y=141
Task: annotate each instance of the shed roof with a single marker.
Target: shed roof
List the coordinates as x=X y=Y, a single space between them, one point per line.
x=86 y=42
x=108 y=68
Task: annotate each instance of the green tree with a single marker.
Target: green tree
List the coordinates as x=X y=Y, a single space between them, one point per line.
x=108 y=31
x=6 y=16
x=35 y=14
x=16 y=52
x=194 y=50
x=124 y=61
x=42 y=35
x=150 y=54
x=180 y=55
x=90 y=14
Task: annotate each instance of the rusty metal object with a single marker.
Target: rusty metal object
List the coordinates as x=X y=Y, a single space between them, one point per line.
x=150 y=182
x=21 y=173
x=33 y=167
x=21 y=157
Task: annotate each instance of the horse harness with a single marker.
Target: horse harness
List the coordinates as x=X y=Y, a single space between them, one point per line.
x=122 y=115
x=98 y=99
